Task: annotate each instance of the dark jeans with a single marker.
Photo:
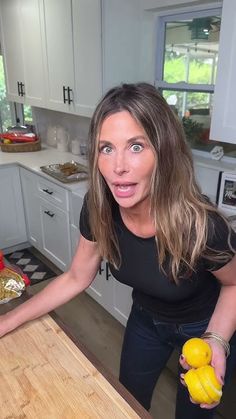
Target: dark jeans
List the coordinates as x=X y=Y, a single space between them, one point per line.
x=148 y=344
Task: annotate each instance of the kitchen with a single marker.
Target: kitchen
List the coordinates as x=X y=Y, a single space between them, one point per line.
x=100 y=68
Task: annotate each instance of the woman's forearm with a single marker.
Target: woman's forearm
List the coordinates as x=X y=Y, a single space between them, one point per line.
x=223 y=320
x=58 y=292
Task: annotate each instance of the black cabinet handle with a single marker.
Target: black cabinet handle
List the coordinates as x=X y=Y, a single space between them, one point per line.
x=22 y=89
x=51 y=214
x=107 y=272
x=47 y=191
x=100 y=269
x=65 y=99
x=18 y=88
x=69 y=90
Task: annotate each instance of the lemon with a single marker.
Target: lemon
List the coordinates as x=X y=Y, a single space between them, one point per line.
x=209 y=382
x=197 y=352
x=6 y=141
x=203 y=385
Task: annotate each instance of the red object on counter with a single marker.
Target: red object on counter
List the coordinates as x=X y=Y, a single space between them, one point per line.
x=2 y=265
x=15 y=137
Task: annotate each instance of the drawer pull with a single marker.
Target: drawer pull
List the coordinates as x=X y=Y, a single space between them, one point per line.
x=100 y=269
x=107 y=272
x=48 y=192
x=51 y=214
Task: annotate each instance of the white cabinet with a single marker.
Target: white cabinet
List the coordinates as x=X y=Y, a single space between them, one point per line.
x=22 y=47
x=223 y=124
x=12 y=224
x=47 y=216
x=59 y=49
x=73 y=47
x=112 y=295
x=87 y=37
x=55 y=234
x=31 y=204
x=64 y=54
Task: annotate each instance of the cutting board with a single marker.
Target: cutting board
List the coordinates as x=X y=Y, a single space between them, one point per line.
x=44 y=375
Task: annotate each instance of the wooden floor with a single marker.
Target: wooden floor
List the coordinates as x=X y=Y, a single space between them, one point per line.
x=103 y=336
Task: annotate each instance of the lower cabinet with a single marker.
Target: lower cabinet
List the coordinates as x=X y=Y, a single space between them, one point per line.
x=47 y=218
x=112 y=295
x=12 y=224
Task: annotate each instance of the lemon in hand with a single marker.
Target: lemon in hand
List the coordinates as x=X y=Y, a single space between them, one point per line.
x=203 y=385
x=197 y=352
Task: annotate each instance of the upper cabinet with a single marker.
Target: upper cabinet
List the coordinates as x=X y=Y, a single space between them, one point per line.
x=223 y=124
x=64 y=54
x=21 y=41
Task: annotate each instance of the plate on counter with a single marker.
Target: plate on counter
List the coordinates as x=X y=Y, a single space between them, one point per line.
x=68 y=172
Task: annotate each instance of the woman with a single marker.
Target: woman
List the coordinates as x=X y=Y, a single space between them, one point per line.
x=145 y=214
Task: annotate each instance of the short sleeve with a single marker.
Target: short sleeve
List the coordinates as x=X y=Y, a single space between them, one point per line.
x=84 y=226
x=221 y=238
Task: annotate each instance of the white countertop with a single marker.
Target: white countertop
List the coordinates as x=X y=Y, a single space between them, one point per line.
x=48 y=155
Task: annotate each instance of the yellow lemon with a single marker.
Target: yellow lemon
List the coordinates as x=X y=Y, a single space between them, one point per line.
x=197 y=352
x=6 y=141
x=203 y=385
x=209 y=382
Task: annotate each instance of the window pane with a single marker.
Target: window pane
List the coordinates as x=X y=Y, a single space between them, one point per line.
x=28 y=119
x=191 y=50
x=194 y=110
x=5 y=112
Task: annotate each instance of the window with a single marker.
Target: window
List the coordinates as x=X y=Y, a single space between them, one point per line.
x=11 y=112
x=5 y=110
x=186 y=70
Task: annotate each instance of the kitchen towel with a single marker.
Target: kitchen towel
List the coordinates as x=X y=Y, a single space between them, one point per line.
x=31 y=265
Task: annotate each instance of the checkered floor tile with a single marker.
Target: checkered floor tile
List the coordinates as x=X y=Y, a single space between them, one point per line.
x=35 y=269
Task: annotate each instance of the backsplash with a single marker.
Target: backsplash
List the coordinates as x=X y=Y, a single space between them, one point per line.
x=46 y=120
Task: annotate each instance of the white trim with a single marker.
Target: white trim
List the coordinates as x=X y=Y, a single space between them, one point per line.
x=173 y=9
x=182 y=86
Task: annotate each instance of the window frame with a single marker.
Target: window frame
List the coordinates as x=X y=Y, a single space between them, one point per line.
x=162 y=19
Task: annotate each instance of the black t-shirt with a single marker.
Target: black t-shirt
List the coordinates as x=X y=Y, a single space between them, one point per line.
x=193 y=299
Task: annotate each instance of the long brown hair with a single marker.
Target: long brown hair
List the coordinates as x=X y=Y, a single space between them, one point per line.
x=179 y=209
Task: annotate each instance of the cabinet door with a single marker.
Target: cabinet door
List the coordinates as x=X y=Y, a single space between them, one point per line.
x=31 y=203
x=87 y=55
x=33 y=52
x=12 y=225
x=223 y=124
x=59 y=49
x=11 y=46
x=121 y=301
x=56 y=244
x=100 y=289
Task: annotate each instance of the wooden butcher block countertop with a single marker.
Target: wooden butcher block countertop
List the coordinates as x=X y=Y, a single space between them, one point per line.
x=44 y=374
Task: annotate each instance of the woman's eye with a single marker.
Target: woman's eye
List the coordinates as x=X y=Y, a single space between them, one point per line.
x=136 y=148
x=105 y=149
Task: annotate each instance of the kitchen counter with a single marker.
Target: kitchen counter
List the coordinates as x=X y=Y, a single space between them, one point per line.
x=45 y=373
x=48 y=155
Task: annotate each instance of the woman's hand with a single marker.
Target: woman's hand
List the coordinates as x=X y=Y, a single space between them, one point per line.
x=218 y=362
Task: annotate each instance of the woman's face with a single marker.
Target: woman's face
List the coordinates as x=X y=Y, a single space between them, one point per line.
x=126 y=160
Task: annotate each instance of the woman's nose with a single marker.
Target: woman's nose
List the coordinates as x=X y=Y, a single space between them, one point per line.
x=120 y=164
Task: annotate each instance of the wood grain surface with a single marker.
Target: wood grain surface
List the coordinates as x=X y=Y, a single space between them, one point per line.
x=43 y=374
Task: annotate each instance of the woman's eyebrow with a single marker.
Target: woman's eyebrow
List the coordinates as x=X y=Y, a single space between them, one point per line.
x=129 y=140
